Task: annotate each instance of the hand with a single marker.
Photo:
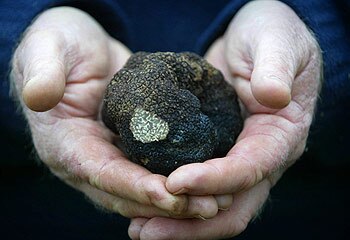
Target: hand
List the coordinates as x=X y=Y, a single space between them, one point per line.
x=274 y=64
x=61 y=68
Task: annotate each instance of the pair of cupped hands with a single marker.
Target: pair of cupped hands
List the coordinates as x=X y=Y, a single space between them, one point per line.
x=63 y=65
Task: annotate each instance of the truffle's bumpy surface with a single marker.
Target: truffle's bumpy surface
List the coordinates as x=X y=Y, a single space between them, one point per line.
x=171 y=109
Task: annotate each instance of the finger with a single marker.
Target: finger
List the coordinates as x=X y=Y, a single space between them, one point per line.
x=224 y=201
x=95 y=160
x=203 y=207
x=87 y=155
x=41 y=59
x=135 y=227
x=124 y=207
x=125 y=179
x=238 y=74
x=275 y=67
x=245 y=95
x=226 y=224
x=269 y=51
x=120 y=177
x=262 y=149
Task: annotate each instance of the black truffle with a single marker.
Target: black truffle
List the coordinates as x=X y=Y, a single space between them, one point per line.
x=171 y=109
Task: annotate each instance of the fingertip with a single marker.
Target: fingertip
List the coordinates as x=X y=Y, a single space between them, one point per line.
x=42 y=93
x=43 y=64
x=224 y=201
x=174 y=183
x=135 y=227
x=271 y=91
x=153 y=186
x=178 y=182
x=191 y=179
x=207 y=206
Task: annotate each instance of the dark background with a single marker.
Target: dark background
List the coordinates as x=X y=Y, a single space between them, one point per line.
x=309 y=202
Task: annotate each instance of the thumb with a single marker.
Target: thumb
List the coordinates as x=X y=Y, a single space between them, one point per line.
x=273 y=73
x=42 y=61
x=268 y=44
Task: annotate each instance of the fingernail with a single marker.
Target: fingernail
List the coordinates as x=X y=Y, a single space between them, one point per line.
x=181 y=191
x=200 y=217
x=224 y=209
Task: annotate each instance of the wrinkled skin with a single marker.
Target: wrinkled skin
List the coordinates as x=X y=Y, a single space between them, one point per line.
x=188 y=94
x=274 y=64
x=272 y=61
x=60 y=79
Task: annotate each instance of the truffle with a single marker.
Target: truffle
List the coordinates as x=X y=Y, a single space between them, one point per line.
x=171 y=109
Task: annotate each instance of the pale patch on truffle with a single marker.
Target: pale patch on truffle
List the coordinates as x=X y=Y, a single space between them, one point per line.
x=148 y=127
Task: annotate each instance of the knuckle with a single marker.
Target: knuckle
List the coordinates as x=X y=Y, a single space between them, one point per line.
x=99 y=179
x=95 y=181
x=121 y=207
x=146 y=191
x=251 y=175
x=117 y=205
x=256 y=174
